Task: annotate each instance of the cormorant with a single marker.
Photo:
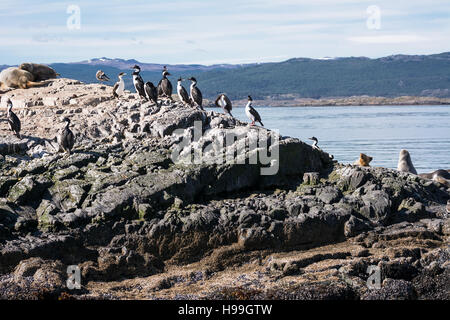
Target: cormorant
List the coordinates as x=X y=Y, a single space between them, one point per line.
x=222 y=101
x=164 y=86
x=251 y=113
x=196 y=94
x=182 y=93
x=138 y=82
x=101 y=76
x=315 y=143
x=13 y=120
x=119 y=86
x=66 y=139
x=151 y=91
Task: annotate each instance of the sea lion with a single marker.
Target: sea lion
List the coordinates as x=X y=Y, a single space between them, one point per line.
x=17 y=78
x=39 y=71
x=405 y=163
x=363 y=160
x=441 y=176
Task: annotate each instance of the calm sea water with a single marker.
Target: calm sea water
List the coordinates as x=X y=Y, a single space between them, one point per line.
x=378 y=131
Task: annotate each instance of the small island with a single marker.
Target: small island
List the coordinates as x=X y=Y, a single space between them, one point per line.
x=137 y=224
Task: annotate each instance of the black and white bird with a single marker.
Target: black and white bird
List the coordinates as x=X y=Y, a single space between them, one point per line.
x=101 y=76
x=151 y=92
x=119 y=87
x=251 y=113
x=222 y=101
x=138 y=82
x=196 y=94
x=13 y=120
x=182 y=93
x=165 y=86
x=315 y=143
x=66 y=138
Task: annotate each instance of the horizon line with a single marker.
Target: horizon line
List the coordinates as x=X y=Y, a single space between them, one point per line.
x=240 y=63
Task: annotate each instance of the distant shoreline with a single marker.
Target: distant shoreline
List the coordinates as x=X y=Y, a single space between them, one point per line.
x=348 y=101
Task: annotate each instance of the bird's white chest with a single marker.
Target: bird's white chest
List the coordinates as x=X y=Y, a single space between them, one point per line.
x=222 y=102
x=121 y=87
x=135 y=79
x=248 y=113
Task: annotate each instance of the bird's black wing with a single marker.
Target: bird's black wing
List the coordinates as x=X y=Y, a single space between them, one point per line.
x=147 y=90
x=229 y=106
x=256 y=115
x=154 y=94
x=197 y=96
x=69 y=139
x=114 y=90
x=168 y=89
x=139 y=86
x=159 y=87
x=184 y=95
x=14 y=122
x=217 y=101
x=151 y=92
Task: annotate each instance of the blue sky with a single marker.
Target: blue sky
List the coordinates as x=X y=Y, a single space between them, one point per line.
x=210 y=32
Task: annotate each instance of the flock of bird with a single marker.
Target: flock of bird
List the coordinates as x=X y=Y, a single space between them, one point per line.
x=65 y=139
x=163 y=91
x=148 y=92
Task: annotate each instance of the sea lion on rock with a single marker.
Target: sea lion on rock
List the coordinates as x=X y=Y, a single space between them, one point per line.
x=39 y=71
x=17 y=78
x=441 y=176
x=363 y=160
x=405 y=163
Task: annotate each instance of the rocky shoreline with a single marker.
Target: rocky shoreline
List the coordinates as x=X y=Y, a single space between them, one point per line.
x=140 y=225
x=296 y=101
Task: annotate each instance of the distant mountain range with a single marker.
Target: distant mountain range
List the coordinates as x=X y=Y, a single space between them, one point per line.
x=392 y=76
x=155 y=67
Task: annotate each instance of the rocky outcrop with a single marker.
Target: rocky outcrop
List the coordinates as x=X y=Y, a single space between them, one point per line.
x=150 y=188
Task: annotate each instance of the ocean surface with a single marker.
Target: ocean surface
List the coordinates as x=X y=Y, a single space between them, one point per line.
x=378 y=131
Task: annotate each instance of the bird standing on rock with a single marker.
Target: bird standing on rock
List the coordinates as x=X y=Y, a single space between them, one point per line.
x=315 y=143
x=222 y=101
x=182 y=93
x=138 y=82
x=165 y=86
x=13 y=120
x=119 y=87
x=101 y=76
x=66 y=138
x=196 y=94
x=151 y=91
x=251 y=113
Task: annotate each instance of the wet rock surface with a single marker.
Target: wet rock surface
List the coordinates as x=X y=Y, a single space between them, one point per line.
x=141 y=223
